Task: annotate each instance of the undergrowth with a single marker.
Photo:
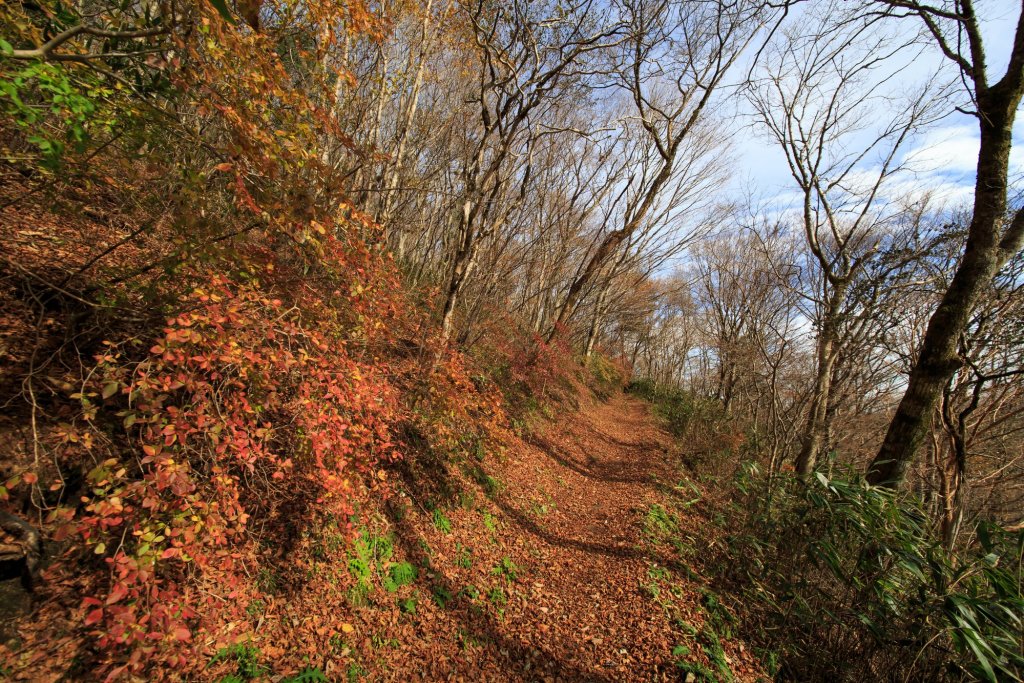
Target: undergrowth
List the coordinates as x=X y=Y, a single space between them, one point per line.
x=700 y=422
x=848 y=582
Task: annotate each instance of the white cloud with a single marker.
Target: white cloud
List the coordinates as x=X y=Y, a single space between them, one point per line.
x=944 y=162
x=940 y=163
x=948 y=151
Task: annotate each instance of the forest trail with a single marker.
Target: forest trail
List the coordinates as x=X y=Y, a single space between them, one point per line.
x=599 y=597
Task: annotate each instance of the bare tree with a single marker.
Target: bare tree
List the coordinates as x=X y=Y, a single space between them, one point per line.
x=674 y=58
x=974 y=445
x=823 y=98
x=528 y=52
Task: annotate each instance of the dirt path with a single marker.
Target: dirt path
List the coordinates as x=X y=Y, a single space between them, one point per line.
x=604 y=600
x=601 y=470
x=598 y=594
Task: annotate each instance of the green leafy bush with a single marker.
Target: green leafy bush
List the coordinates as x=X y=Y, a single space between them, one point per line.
x=861 y=588
x=701 y=420
x=53 y=106
x=606 y=376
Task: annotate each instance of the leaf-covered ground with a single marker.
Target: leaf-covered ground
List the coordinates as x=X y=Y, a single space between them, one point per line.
x=576 y=567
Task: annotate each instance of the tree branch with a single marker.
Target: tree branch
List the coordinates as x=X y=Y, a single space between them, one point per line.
x=45 y=51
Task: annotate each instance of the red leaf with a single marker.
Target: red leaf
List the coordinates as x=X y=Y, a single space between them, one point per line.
x=116 y=593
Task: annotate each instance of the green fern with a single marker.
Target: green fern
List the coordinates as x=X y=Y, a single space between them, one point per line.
x=401 y=574
x=442 y=523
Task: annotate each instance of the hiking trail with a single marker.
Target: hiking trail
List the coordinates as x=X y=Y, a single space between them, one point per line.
x=596 y=597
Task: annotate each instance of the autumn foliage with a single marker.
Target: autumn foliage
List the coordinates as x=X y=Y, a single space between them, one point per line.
x=238 y=411
x=268 y=365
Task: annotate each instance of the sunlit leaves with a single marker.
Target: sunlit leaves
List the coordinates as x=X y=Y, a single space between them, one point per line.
x=239 y=405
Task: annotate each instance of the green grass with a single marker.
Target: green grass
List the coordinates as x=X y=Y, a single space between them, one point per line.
x=246 y=659
x=358 y=595
x=490 y=523
x=441 y=596
x=713 y=649
x=543 y=507
x=659 y=573
x=720 y=618
x=492 y=487
x=496 y=594
x=308 y=675
x=706 y=642
x=266 y=581
x=660 y=524
x=255 y=608
x=464 y=558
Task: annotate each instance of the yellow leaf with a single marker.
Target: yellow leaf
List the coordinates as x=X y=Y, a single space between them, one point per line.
x=347 y=628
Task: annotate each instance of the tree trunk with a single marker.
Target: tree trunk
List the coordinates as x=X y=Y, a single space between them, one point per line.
x=387 y=199
x=465 y=260
x=572 y=298
x=595 y=323
x=815 y=433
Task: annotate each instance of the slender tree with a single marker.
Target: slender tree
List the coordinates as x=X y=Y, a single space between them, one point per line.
x=528 y=52
x=822 y=96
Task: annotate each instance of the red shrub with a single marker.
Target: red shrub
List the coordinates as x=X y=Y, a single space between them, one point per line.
x=242 y=409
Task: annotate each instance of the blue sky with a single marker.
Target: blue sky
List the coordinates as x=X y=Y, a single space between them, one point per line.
x=943 y=159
